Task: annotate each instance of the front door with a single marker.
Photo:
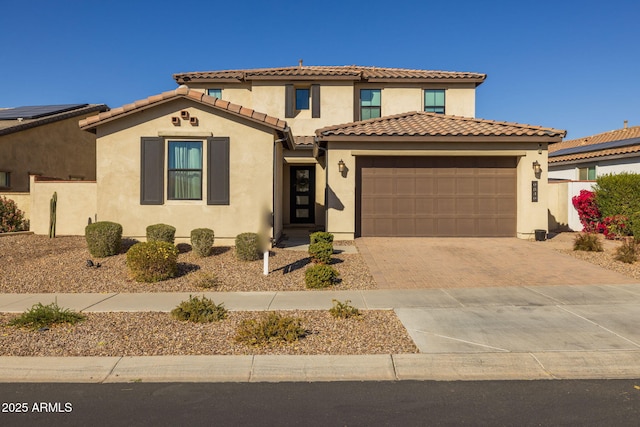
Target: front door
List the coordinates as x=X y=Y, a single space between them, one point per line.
x=303 y=183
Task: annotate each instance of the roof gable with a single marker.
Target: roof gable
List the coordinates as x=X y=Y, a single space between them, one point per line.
x=423 y=124
x=348 y=72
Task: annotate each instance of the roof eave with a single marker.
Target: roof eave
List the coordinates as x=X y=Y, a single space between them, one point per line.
x=439 y=138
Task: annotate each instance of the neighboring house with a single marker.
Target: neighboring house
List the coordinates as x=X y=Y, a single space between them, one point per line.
x=45 y=140
x=575 y=164
x=358 y=151
x=585 y=159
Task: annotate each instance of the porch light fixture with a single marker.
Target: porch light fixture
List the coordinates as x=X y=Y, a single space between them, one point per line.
x=341 y=166
x=537 y=169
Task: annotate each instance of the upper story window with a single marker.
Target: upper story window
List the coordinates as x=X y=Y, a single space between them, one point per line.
x=185 y=170
x=216 y=93
x=434 y=101
x=302 y=99
x=4 y=179
x=370 y=106
x=587 y=173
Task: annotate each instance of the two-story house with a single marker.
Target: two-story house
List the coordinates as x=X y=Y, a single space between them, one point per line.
x=358 y=151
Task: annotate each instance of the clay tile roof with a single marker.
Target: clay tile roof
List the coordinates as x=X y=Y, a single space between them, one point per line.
x=92 y=122
x=306 y=140
x=612 y=143
x=350 y=72
x=430 y=124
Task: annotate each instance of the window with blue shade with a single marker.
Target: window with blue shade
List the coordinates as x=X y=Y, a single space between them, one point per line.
x=434 y=101
x=370 y=106
x=185 y=170
x=302 y=99
x=216 y=93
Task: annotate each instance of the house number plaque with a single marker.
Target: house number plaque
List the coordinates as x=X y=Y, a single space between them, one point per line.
x=534 y=191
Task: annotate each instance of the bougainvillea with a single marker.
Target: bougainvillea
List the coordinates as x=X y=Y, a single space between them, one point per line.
x=615 y=227
x=588 y=212
x=11 y=218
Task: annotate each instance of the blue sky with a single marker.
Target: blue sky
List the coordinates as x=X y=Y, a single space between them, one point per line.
x=567 y=64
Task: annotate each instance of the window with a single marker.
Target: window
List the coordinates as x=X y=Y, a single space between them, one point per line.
x=587 y=174
x=185 y=170
x=434 y=101
x=216 y=93
x=302 y=99
x=4 y=179
x=369 y=104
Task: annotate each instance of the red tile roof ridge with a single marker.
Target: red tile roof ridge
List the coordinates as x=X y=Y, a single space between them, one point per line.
x=183 y=91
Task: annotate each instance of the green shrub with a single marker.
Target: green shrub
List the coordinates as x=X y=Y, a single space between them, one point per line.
x=248 y=246
x=104 y=238
x=45 y=316
x=202 y=241
x=320 y=236
x=618 y=194
x=11 y=218
x=634 y=225
x=320 y=252
x=320 y=276
x=343 y=310
x=161 y=233
x=205 y=280
x=271 y=328
x=589 y=242
x=199 y=310
x=628 y=251
x=152 y=261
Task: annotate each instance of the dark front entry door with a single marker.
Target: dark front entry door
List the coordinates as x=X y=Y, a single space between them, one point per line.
x=303 y=183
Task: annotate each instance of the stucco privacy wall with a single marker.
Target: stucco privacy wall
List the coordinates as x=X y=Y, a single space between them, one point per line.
x=23 y=201
x=76 y=205
x=251 y=172
x=341 y=208
x=57 y=149
x=561 y=206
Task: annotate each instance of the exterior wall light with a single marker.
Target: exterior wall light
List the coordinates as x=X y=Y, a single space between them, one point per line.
x=341 y=166
x=537 y=168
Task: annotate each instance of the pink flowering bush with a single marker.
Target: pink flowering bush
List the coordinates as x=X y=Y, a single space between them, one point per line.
x=588 y=212
x=11 y=218
x=615 y=227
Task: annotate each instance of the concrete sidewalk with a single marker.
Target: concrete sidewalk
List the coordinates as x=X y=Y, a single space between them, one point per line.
x=530 y=332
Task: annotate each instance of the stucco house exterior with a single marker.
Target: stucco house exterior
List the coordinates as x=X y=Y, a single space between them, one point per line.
x=357 y=151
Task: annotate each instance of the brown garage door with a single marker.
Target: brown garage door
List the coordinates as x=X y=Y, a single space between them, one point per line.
x=436 y=196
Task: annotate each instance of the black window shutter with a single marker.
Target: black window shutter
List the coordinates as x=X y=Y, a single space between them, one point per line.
x=218 y=171
x=151 y=171
x=315 y=101
x=289 y=101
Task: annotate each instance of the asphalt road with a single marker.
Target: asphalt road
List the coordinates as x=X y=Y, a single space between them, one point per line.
x=404 y=403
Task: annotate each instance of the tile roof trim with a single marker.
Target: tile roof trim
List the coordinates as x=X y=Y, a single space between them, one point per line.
x=339 y=132
x=90 y=123
x=613 y=153
x=23 y=125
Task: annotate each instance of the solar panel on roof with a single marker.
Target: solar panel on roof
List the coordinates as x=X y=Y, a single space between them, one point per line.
x=595 y=147
x=37 y=111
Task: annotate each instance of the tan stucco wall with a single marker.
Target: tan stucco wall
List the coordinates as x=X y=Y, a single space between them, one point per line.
x=558 y=206
x=338 y=100
x=251 y=172
x=23 y=201
x=58 y=150
x=76 y=204
x=341 y=210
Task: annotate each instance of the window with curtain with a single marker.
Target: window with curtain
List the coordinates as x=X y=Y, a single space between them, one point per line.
x=185 y=170
x=370 y=104
x=434 y=101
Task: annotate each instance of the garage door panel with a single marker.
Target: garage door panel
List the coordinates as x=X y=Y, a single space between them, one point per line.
x=437 y=196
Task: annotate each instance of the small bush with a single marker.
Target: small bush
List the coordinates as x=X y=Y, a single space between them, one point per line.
x=205 y=280
x=634 y=226
x=320 y=236
x=45 y=316
x=248 y=246
x=152 y=261
x=272 y=328
x=343 y=310
x=320 y=252
x=589 y=242
x=104 y=238
x=11 y=218
x=161 y=233
x=199 y=310
x=320 y=276
x=628 y=251
x=202 y=241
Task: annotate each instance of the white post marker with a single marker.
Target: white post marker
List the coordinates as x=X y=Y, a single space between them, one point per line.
x=265 y=264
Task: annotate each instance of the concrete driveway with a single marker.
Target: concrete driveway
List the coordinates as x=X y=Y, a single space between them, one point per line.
x=423 y=263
